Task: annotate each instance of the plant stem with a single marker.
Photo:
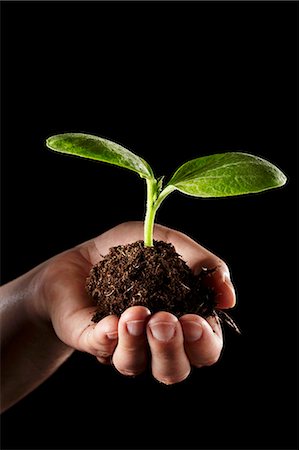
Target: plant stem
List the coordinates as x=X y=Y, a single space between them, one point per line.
x=150 y=213
x=152 y=206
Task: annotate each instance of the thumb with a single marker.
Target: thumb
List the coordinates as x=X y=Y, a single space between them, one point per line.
x=77 y=330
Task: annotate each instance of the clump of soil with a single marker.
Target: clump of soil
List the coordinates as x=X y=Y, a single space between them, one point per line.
x=155 y=277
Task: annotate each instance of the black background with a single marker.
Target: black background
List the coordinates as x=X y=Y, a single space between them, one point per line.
x=171 y=81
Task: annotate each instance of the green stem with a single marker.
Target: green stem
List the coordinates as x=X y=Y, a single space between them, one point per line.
x=151 y=209
x=166 y=191
x=150 y=213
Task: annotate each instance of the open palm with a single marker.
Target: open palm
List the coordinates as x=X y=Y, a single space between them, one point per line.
x=174 y=344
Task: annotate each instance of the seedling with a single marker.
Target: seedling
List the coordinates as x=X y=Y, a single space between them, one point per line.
x=148 y=272
x=220 y=175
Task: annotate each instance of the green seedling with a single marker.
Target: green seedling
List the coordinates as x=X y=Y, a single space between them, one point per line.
x=220 y=175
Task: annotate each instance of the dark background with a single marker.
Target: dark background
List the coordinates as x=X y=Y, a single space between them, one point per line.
x=171 y=81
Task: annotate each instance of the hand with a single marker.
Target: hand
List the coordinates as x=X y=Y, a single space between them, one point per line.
x=175 y=345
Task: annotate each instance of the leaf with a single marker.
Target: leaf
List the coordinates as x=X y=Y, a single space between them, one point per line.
x=225 y=175
x=99 y=149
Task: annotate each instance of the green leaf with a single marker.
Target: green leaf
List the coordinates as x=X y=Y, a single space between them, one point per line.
x=226 y=174
x=99 y=149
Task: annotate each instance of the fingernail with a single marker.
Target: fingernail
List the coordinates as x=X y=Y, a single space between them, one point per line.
x=135 y=327
x=162 y=331
x=112 y=335
x=192 y=331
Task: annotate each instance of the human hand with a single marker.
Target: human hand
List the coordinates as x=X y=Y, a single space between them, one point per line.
x=175 y=344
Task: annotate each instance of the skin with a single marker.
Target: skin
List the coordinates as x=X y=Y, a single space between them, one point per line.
x=46 y=315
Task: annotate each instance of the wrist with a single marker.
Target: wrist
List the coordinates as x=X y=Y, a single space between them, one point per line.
x=29 y=299
x=23 y=305
x=31 y=350
x=32 y=291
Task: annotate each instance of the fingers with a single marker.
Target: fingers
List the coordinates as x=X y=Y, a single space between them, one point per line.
x=170 y=363
x=123 y=340
x=197 y=257
x=175 y=345
x=202 y=339
x=219 y=280
x=98 y=339
x=130 y=356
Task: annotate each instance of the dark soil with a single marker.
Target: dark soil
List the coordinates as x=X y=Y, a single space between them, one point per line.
x=155 y=277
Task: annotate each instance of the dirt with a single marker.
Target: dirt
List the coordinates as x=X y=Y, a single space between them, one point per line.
x=155 y=277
